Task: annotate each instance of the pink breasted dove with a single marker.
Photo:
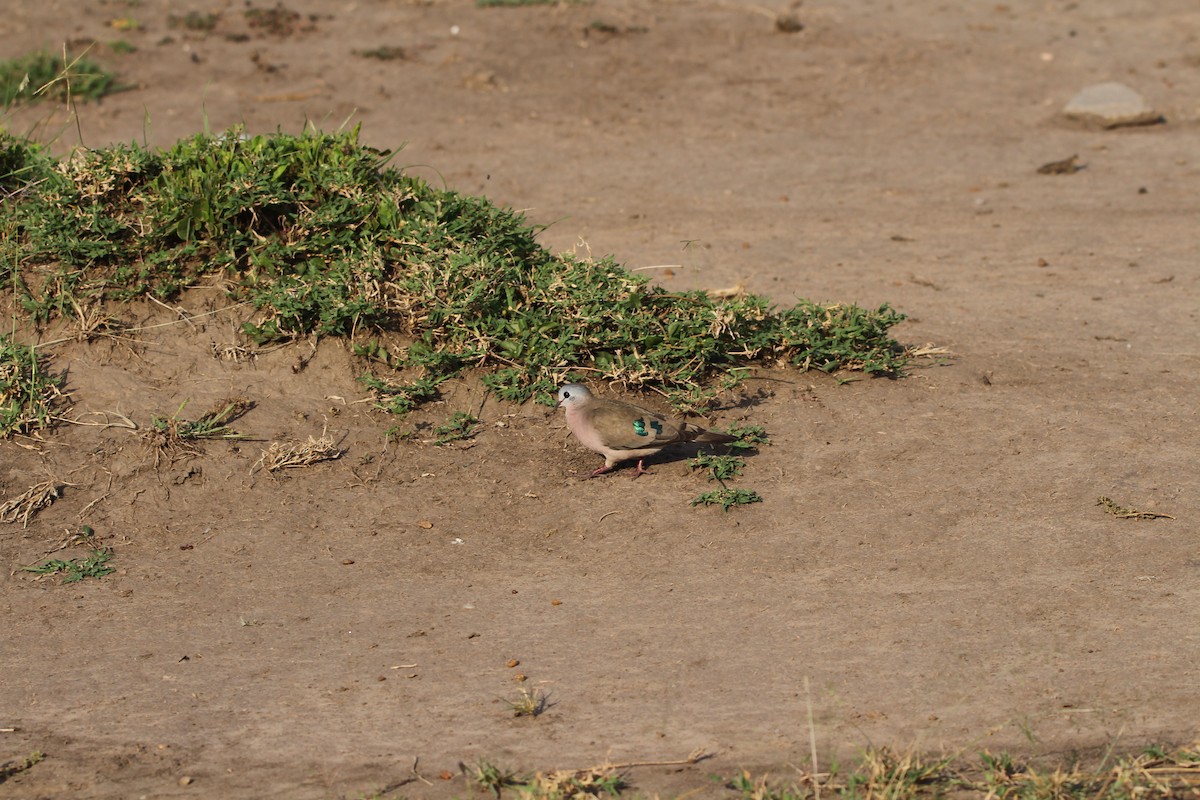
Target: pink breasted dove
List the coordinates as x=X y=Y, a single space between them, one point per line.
x=622 y=431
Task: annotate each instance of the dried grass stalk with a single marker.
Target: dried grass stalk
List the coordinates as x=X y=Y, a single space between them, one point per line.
x=283 y=455
x=33 y=500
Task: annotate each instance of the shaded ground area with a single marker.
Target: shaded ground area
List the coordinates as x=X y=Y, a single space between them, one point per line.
x=930 y=555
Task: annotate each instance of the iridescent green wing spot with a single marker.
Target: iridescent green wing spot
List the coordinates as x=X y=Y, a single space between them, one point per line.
x=639 y=426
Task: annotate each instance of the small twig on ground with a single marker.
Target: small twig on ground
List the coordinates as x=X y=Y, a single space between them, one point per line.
x=695 y=757
x=417 y=775
x=1121 y=512
x=125 y=422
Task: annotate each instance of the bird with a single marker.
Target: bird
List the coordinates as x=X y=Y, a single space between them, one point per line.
x=621 y=431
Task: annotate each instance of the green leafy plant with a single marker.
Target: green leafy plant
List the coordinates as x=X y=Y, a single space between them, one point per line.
x=749 y=437
x=720 y=468
x=727 y=498
x=460 y=426
x=75 y=570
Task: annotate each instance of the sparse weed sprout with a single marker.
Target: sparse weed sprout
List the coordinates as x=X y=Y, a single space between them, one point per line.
x=318 y=234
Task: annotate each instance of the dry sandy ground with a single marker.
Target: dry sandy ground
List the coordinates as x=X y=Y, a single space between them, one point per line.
x=930 y=557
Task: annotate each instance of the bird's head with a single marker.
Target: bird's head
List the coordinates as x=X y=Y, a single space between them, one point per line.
x=572 y=394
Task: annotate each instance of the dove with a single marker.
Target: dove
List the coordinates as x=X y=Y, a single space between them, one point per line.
x=622 y=431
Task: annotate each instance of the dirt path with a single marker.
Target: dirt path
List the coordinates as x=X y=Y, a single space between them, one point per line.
x=930 y=555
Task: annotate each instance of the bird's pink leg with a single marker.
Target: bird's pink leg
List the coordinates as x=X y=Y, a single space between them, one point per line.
x=603 y=469
x=641 y=470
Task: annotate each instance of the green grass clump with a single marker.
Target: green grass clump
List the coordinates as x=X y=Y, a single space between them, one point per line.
x=883 y=774
x=75 y=570
x=21 y=162
x=727 y=497
x=45 y=76
x=460 y=426
x=212 y=424
x=28 y=393
x=322 y=237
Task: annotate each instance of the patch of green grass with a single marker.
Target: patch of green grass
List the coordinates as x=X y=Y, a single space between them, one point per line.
x=322 y=237
x=212 y=424
x=727 y=498
x=46 y=76
x=723 y=468
x=75 y=570
x=460 y=426
x=528 y=703
x=720 y=468
x=883 y=774
x=122 y=47
x=29 y=394
x=21 y=162
x=749 y=437
x=400 y=397
x=1159 y=773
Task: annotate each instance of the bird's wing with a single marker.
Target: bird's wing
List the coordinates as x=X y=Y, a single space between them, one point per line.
x=622 y=426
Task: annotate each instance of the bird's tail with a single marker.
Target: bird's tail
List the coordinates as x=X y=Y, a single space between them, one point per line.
x=709 y=437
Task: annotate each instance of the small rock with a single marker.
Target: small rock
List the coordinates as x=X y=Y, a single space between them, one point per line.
x=1111 y=105
x=788 y=23
x=1066 y=166
x=186 y=780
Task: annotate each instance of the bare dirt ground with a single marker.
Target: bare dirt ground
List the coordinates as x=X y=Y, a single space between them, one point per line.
x=929 y=556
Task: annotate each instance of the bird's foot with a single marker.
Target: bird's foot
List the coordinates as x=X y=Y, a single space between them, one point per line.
x=600 y=471
x=641 y=470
